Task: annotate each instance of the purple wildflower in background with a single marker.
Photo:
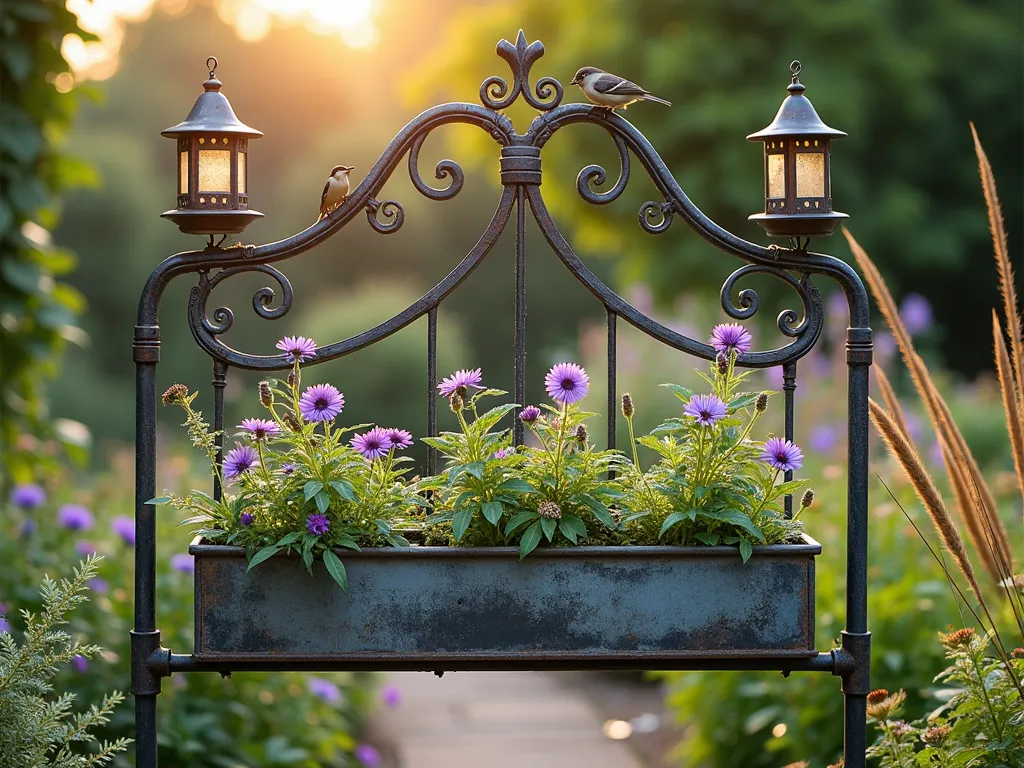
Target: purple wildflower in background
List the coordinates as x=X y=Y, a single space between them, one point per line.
x=298 y=347
x=98 y=585
x=28 y=496
x=318 y=525
x=731 y=337
x=529 y=414
x=502 y=453
x=183 y=562
x=260 y=429
x=124 y=527
x=84 y=547
x=567 y=383
x=706 y=409
x=324 y=689
x=916 y=313
x=782 y=455
x=80 y=663
x=75 y=517
x=321 y=402
x=391 y=696
x=239 y=460
x=463 y=379
x=400 y=438
x=28 y=527
x=367 y=756
x=935 y=454
x=374 y=444
x=288 y=468
x=246 y=518
x=836 y=307
x=4 y=626
x=823 y=438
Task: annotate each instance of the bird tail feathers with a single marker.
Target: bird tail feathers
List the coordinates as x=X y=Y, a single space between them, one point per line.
x=649 y=97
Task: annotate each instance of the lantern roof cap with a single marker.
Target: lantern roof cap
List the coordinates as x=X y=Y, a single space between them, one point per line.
x=211 y=113
x=796 y=116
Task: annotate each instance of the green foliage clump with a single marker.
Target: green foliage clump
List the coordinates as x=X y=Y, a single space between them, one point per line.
x=38 y=730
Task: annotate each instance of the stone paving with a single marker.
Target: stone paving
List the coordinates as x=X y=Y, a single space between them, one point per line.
x=495 y=720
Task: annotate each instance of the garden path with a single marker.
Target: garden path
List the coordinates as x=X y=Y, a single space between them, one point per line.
x=495 y=720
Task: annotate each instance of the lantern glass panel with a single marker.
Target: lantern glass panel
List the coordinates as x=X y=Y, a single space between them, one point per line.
x=215 y=170
x=810 y=174
x=241 y=172
x=183 y=173
x=776 y=175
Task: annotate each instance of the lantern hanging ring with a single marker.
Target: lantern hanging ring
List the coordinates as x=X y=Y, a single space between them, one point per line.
x=213 y=67
x=794 y=67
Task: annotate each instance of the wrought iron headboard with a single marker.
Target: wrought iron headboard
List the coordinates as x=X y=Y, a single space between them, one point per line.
x=521 y=174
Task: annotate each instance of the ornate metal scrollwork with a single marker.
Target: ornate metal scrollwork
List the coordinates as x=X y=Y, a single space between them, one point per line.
x=444 y=169
x=495 y=92
x=391 y=210
x=655 y=217
x=594 y=176
x=791 y=323
x=223 y=317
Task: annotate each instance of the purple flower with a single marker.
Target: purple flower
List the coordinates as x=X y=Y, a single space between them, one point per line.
x=28 y=496
x=374 y=444
x=391 y=696
x=288 y=468
x=463 y=379
x=28 y=527
x=367 y=756
x=731 y=337
x=4 y=626
x=400 y=438
x=325 y=689
x=80 y=663
x=239 y=460
x=183 y=562
x=321 y=402
x=98 y=585
x=260 y=429
x=706 y=409
x=782 y=455
x=246 y=518
x=823 y=438
x=75 y=517
x=529 y=414
x=916 y=313
x=567 y=383
x=837 y=307
x=84 y=547
x=298 y=347
x=318 y=525
x=124 y=527
x=502 y=453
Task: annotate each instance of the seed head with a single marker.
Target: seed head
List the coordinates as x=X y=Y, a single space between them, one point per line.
x=900 y=728
x=291 y=378
x=761 y=404
x=877 y=695
x=807 y=499
x=882 y=705
x=582 y=436
x=455 y=402
x=627 y=406
x=934 y=737
x=176 y=393
x=266 y=395
x=960 y=639
x=722 y=361
x=291 y=422
x=550 y=510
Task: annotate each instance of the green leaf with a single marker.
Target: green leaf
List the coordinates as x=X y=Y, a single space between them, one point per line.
x=572 y=528
x=493 y=511
x=344 y=489
x=518 y=521
x=548 y=525
x=531 y=538
x=746 y=549
x=159 y=500
x=711 y=539
x=336 y=568
x=312 y=488
x=264 y=554
x=791 y=487
x=735 y=518
x=289 y=538
x=476 y=469
x=492 y=417
x=323 y=501
x=601 y=512
x=743 y=401
x=679 y=391
x=349 y=543
x=670 y=521
x=461 y=521
x=517 y=485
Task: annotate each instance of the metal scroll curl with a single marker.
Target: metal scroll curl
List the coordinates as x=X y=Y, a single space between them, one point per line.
x=205 y=329
x=594 y=176
x=495 y=92
x=791 y=323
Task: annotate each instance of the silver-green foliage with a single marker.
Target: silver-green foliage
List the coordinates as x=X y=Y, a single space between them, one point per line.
x=38 y=728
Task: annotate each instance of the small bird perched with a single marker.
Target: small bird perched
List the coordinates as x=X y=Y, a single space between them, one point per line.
x=335 y=190
x=611 y=91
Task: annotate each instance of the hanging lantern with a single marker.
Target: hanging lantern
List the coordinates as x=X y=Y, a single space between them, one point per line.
x=211 y=165
x=797 y=185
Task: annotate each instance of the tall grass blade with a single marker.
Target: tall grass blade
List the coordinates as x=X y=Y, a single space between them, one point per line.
x=1011 y=401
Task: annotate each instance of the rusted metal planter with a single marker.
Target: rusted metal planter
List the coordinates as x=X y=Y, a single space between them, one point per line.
x=462 y=608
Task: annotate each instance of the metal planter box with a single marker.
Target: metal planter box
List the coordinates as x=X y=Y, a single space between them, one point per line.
x=483 y=608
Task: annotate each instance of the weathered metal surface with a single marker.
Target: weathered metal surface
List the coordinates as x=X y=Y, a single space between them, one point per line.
x=433 y=604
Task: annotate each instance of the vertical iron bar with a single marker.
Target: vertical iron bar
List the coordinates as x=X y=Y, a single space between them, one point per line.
x=220 y=377
x=612 y=387
x=431 y=387
x=520 y=331
x=788 y=388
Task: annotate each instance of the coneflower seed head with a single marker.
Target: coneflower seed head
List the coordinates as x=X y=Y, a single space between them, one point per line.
x=627 y=406
x=761 y=404
x=266 y=395
x=582 y=436
x=291 y=422
x=550 y=510
x=807 y=499
x=722 y=362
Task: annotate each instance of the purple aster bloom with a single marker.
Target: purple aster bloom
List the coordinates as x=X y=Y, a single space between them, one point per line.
x=239 y=460
x=502 y=453
x=298 y=347
x=318 y=525
x=80 y=663
x=837 y=307
x=529 y=414
x=916 y=313
x=400 y=438
x=260 y=429
x=75 y=517
x=246 y=518
x=374 y=444
x=885 y=346
x=288 y=468
x=98 y=585
x=391 y=696
x=28 y=527
x=84 y=547
x=463 y=379
x=28 y=496
x=321 y=402
x=823 y=438
x=782 y=455
x=4 y=626
x=124 y=527
x=325 y=689
x=183 y=562
x=706 y=409
x=367 y=756
x=567 y=383
x=730 y=337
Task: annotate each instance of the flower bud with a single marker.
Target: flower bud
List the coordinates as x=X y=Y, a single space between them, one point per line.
x=934 y=737
x=529 y=414
x=266 y=395
x=550 y=510
x=807 y=499
x=761 y=404
x=582 y=436
x=291 y=422
x=176 y=393
x=455 y=402
x=722 y=361
x=960 y=639
x=291 y=378
x=627 y=406
x=462 y=391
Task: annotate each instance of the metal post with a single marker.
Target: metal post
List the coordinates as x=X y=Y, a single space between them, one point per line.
x=520 y=308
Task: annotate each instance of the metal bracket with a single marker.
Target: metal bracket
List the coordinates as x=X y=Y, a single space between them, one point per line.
x=856 y=657
x=146 y=679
